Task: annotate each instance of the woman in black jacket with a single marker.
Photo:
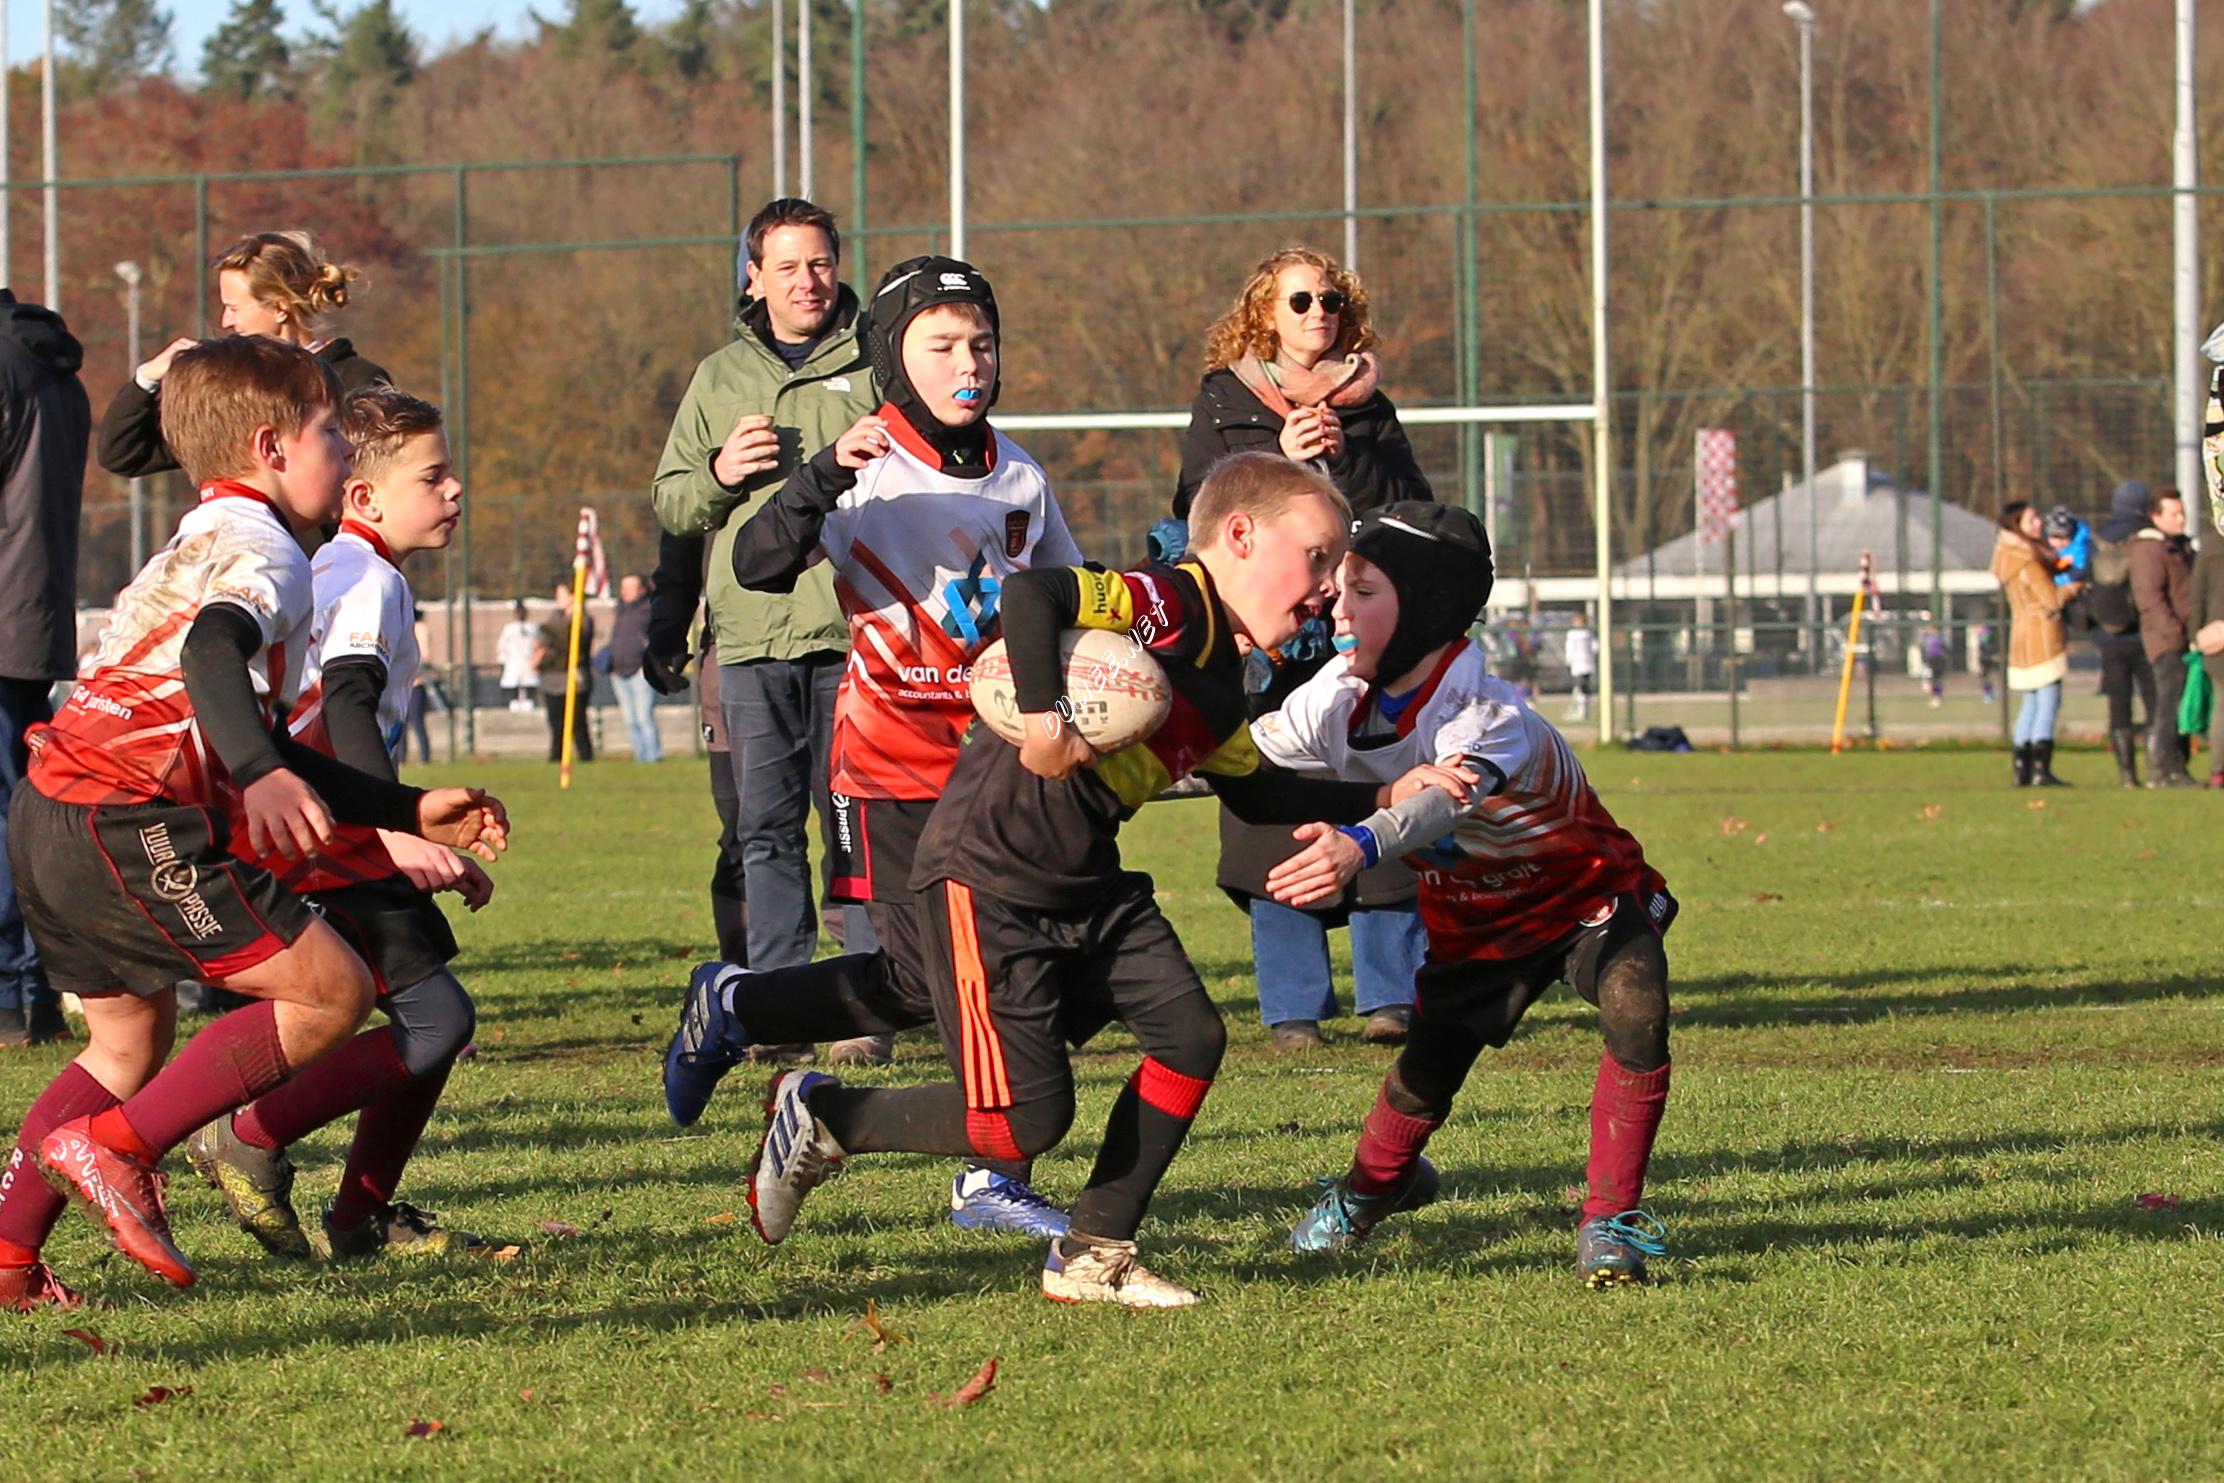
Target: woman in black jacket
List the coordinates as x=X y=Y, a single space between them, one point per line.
x=1290 y=368
x=272 y=283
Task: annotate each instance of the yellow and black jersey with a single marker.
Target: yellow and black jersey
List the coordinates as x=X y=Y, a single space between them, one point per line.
x=1054 y=844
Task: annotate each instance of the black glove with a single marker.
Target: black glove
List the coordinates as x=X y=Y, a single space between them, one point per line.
x=666 y=672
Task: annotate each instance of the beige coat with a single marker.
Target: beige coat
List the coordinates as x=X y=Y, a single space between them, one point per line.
x=2038 y=650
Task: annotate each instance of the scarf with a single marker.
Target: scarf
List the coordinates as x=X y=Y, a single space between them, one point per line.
x=1341 y=383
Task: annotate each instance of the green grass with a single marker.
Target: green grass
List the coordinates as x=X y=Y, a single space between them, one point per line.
x=1926 y=1060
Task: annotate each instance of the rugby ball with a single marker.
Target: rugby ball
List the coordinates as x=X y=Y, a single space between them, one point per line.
x=1119 y=695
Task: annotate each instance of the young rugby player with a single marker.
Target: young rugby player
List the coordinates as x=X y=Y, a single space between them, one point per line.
x=1527 y=883
x=120 y=843
x=925 y=512
x=1034 y=934
x=402 y=498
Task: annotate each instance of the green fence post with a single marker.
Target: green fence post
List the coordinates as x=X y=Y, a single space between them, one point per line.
x=460 y=415
x=200 y=256
x=860 y=274
x=1992 y=353
x=448 y=557
x=1937 y=328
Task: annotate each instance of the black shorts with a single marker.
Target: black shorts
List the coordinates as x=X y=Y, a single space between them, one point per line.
x=399 y=931
x=1014 y=985
x=870 y=846
x=138 y=896
x=1489 y=996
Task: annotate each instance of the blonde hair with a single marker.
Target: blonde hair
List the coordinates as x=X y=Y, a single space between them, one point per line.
x=1248 y=326
x=288 y=271
x=219 y=392
x=1261 y=485
x=379 y=421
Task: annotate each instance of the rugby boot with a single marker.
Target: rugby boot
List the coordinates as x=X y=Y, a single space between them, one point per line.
x=1610 y=1250
x=1093 y=1271
x=28 y=1289
x=710 y=1042
x=400 y=1229
x=256 y=1183
x=1341 y=1218
x=118 y=1191
x=984 y=1200
x=794 y=1157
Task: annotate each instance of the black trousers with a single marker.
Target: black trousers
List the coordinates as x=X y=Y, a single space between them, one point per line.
x=2123 y=664
x=582 y=745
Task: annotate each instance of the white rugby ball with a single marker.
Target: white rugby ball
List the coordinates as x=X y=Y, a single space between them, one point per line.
x=1119 y=694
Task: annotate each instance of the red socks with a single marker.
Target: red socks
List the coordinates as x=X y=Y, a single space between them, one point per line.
x=28 y=1205
x=1625 y=1114
x=359 y=1073
x=385 y=1137
x=225 y=1067
x=1389 y=1145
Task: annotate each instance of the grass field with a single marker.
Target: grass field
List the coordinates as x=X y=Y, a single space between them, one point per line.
x=1934 y=1039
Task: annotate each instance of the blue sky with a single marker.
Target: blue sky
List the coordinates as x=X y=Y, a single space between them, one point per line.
x=436 y=22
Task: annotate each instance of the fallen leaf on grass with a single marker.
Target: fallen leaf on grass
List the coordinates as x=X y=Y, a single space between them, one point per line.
x=157 y=1394
x=637 y=1019
x=569 y=955
x=883 y=1336
x=92 y=1341
x=558 y=1228
x=983 y=1381
x=1933 y=810
x=507 y=1253
x=526 y=1395
x=1289 y=1129
x=882 y=1383
x=1735 y=826
x=419 y=1427
x=722 y=1218
x=776 y=1390
x=1823 y=827
x=1762 y=898
x=2036 y=803
x=816 y=1375
x=2154 y=1200
x=1761 y=838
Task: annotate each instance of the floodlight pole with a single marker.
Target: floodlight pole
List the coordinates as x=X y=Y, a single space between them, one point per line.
x=2186 y=383
x=1803 y=16
x=803 y=90
x=957 y=128
x=1351 y=139
x=779 y=100
x=6 y=196
x=53 y=168
x=1602 y=392
x=130 y=274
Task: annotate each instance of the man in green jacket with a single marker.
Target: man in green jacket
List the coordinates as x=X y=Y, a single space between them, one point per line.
x=792 y=381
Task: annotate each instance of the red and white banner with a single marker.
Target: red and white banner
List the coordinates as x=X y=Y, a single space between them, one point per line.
x=588 y=555
x=1716 y=459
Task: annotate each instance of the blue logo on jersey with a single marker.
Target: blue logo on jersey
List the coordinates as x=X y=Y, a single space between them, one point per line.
x=971 y=603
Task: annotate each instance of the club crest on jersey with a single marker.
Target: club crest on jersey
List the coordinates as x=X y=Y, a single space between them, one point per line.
x=1015 y=532
x=970 y=602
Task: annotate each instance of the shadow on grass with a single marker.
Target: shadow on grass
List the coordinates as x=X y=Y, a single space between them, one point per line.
x=1877 y=993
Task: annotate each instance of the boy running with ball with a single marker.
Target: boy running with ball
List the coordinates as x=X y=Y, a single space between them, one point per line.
x=1527 y=883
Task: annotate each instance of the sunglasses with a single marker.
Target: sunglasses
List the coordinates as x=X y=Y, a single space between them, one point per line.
x=1332 y=302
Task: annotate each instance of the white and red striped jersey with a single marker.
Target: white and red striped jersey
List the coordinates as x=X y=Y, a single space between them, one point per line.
x=364 y=609
x=1533 y=857
x=919 y=561
x=127 y=732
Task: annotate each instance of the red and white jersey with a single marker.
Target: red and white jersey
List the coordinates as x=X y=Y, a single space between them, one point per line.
x=127 y=732
x=1534 y=856
x=364 y=609
x=919 y=560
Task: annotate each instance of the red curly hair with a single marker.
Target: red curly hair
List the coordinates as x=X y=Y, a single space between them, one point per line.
x=1248 y=326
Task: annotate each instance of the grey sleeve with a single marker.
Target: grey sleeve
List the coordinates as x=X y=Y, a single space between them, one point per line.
x=1419 y=819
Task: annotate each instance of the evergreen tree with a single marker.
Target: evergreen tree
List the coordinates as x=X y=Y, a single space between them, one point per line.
x=368 y=48
x=692 y=39
x=106 y=43
x=246 y=57
x=598 y=28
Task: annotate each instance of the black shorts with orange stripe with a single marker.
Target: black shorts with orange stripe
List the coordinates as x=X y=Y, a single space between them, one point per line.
x=1014 y=985
x=139 y=896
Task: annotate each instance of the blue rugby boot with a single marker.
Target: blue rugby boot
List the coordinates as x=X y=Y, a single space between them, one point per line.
x=796 y=1155
x=709 y=1043
x=984 y=1200
x=1342 y=1219
x=1610 y=1250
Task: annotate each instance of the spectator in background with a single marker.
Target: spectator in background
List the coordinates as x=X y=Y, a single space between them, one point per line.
x=2205 y=619
x=629 y=644
x=1931 y=643
x=45 y=427
x=276 y=284
x=1582 y=652
x=1290 y=368
x=513 y=651
x=551 y=646
x=2162 y=590
x=2114 y=617
x=2038 y=649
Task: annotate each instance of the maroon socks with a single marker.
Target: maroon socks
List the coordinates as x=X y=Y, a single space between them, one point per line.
x=226 y=1066
x=28 y=1205
x=1625 y=1114
x=1390 y=1143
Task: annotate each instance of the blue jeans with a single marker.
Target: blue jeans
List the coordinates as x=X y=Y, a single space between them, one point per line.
x=23 y=704
x=779 y=716
x=637 y=703
x=1291 y=949
x=2034 y=721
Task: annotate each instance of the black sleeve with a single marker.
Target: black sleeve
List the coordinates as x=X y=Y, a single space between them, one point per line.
x=214 y=660
x=675 y=591
x=352 y=687
x=357 y=371
x=1037 y=606
x=776 y=544
x=1379 y=468
x=131 y=443
x=1202 y=447
x=1275 y=795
